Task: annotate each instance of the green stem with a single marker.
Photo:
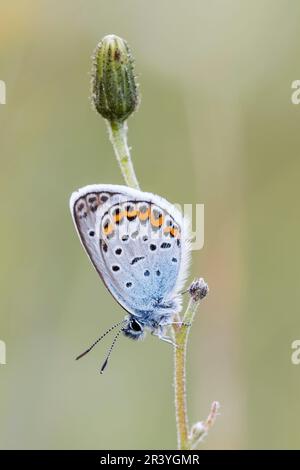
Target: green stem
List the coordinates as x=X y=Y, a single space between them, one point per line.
x=181 y=334
x=118 y=138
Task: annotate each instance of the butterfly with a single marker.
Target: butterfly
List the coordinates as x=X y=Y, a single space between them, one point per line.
x=139 y=244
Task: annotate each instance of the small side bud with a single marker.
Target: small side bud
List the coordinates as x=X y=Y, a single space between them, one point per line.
x=198 y=433
x=198 y=289
x=200 y=430
x=114 y=87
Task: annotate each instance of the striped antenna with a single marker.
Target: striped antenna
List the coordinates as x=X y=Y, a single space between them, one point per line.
x=110 y=350
x=99 y=339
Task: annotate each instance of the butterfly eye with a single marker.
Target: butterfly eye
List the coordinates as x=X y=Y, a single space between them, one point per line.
x=135 y=326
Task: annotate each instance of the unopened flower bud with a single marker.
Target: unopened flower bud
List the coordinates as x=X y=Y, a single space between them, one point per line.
x=198 y=289
x=114 y=87
x=199 y=430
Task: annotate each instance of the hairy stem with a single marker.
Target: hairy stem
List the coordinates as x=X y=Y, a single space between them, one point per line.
x=181 y=334
x=197 y=290
x=118 y=138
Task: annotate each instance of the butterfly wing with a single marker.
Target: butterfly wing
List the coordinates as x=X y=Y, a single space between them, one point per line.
x=137 y=241
x=84 y=204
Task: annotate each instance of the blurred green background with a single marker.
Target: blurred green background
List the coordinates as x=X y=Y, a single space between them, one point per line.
x=216 y=126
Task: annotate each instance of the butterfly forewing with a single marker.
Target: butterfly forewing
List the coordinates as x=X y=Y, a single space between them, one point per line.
x=84 y=205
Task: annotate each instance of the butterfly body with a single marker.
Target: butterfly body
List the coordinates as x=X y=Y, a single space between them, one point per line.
x=139 y=244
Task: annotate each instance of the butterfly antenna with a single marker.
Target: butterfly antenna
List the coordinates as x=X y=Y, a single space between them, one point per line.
x=99 y=339
x=184 y=291
x=110 y=350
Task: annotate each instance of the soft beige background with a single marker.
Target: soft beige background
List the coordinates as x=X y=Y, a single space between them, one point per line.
x=216 y=126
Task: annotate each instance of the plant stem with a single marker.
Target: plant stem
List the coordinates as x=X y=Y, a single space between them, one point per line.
x=197 y=290
x=118 y=138
x=181 y=334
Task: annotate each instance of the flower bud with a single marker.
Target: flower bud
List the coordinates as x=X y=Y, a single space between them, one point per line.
x=114 y=86
x=197 y=433
x=200 y=430
x=198 y=289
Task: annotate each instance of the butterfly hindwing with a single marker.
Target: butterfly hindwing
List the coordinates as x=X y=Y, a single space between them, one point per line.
x=137 y=242
x=141 y=252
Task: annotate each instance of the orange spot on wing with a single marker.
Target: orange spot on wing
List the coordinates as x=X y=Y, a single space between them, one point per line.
x=144 y=215
x=108 y=230
x=172 y=231
x=156 y=222
x=118 y=217
x=130 y=214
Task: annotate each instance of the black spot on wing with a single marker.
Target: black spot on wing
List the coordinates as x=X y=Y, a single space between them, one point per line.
x=136 y=259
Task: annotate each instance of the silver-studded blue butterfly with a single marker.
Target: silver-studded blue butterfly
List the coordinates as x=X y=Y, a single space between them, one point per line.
x=139 y=244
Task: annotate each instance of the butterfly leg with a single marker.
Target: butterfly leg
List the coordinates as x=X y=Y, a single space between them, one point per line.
x=167 y=339
x=181 y=323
